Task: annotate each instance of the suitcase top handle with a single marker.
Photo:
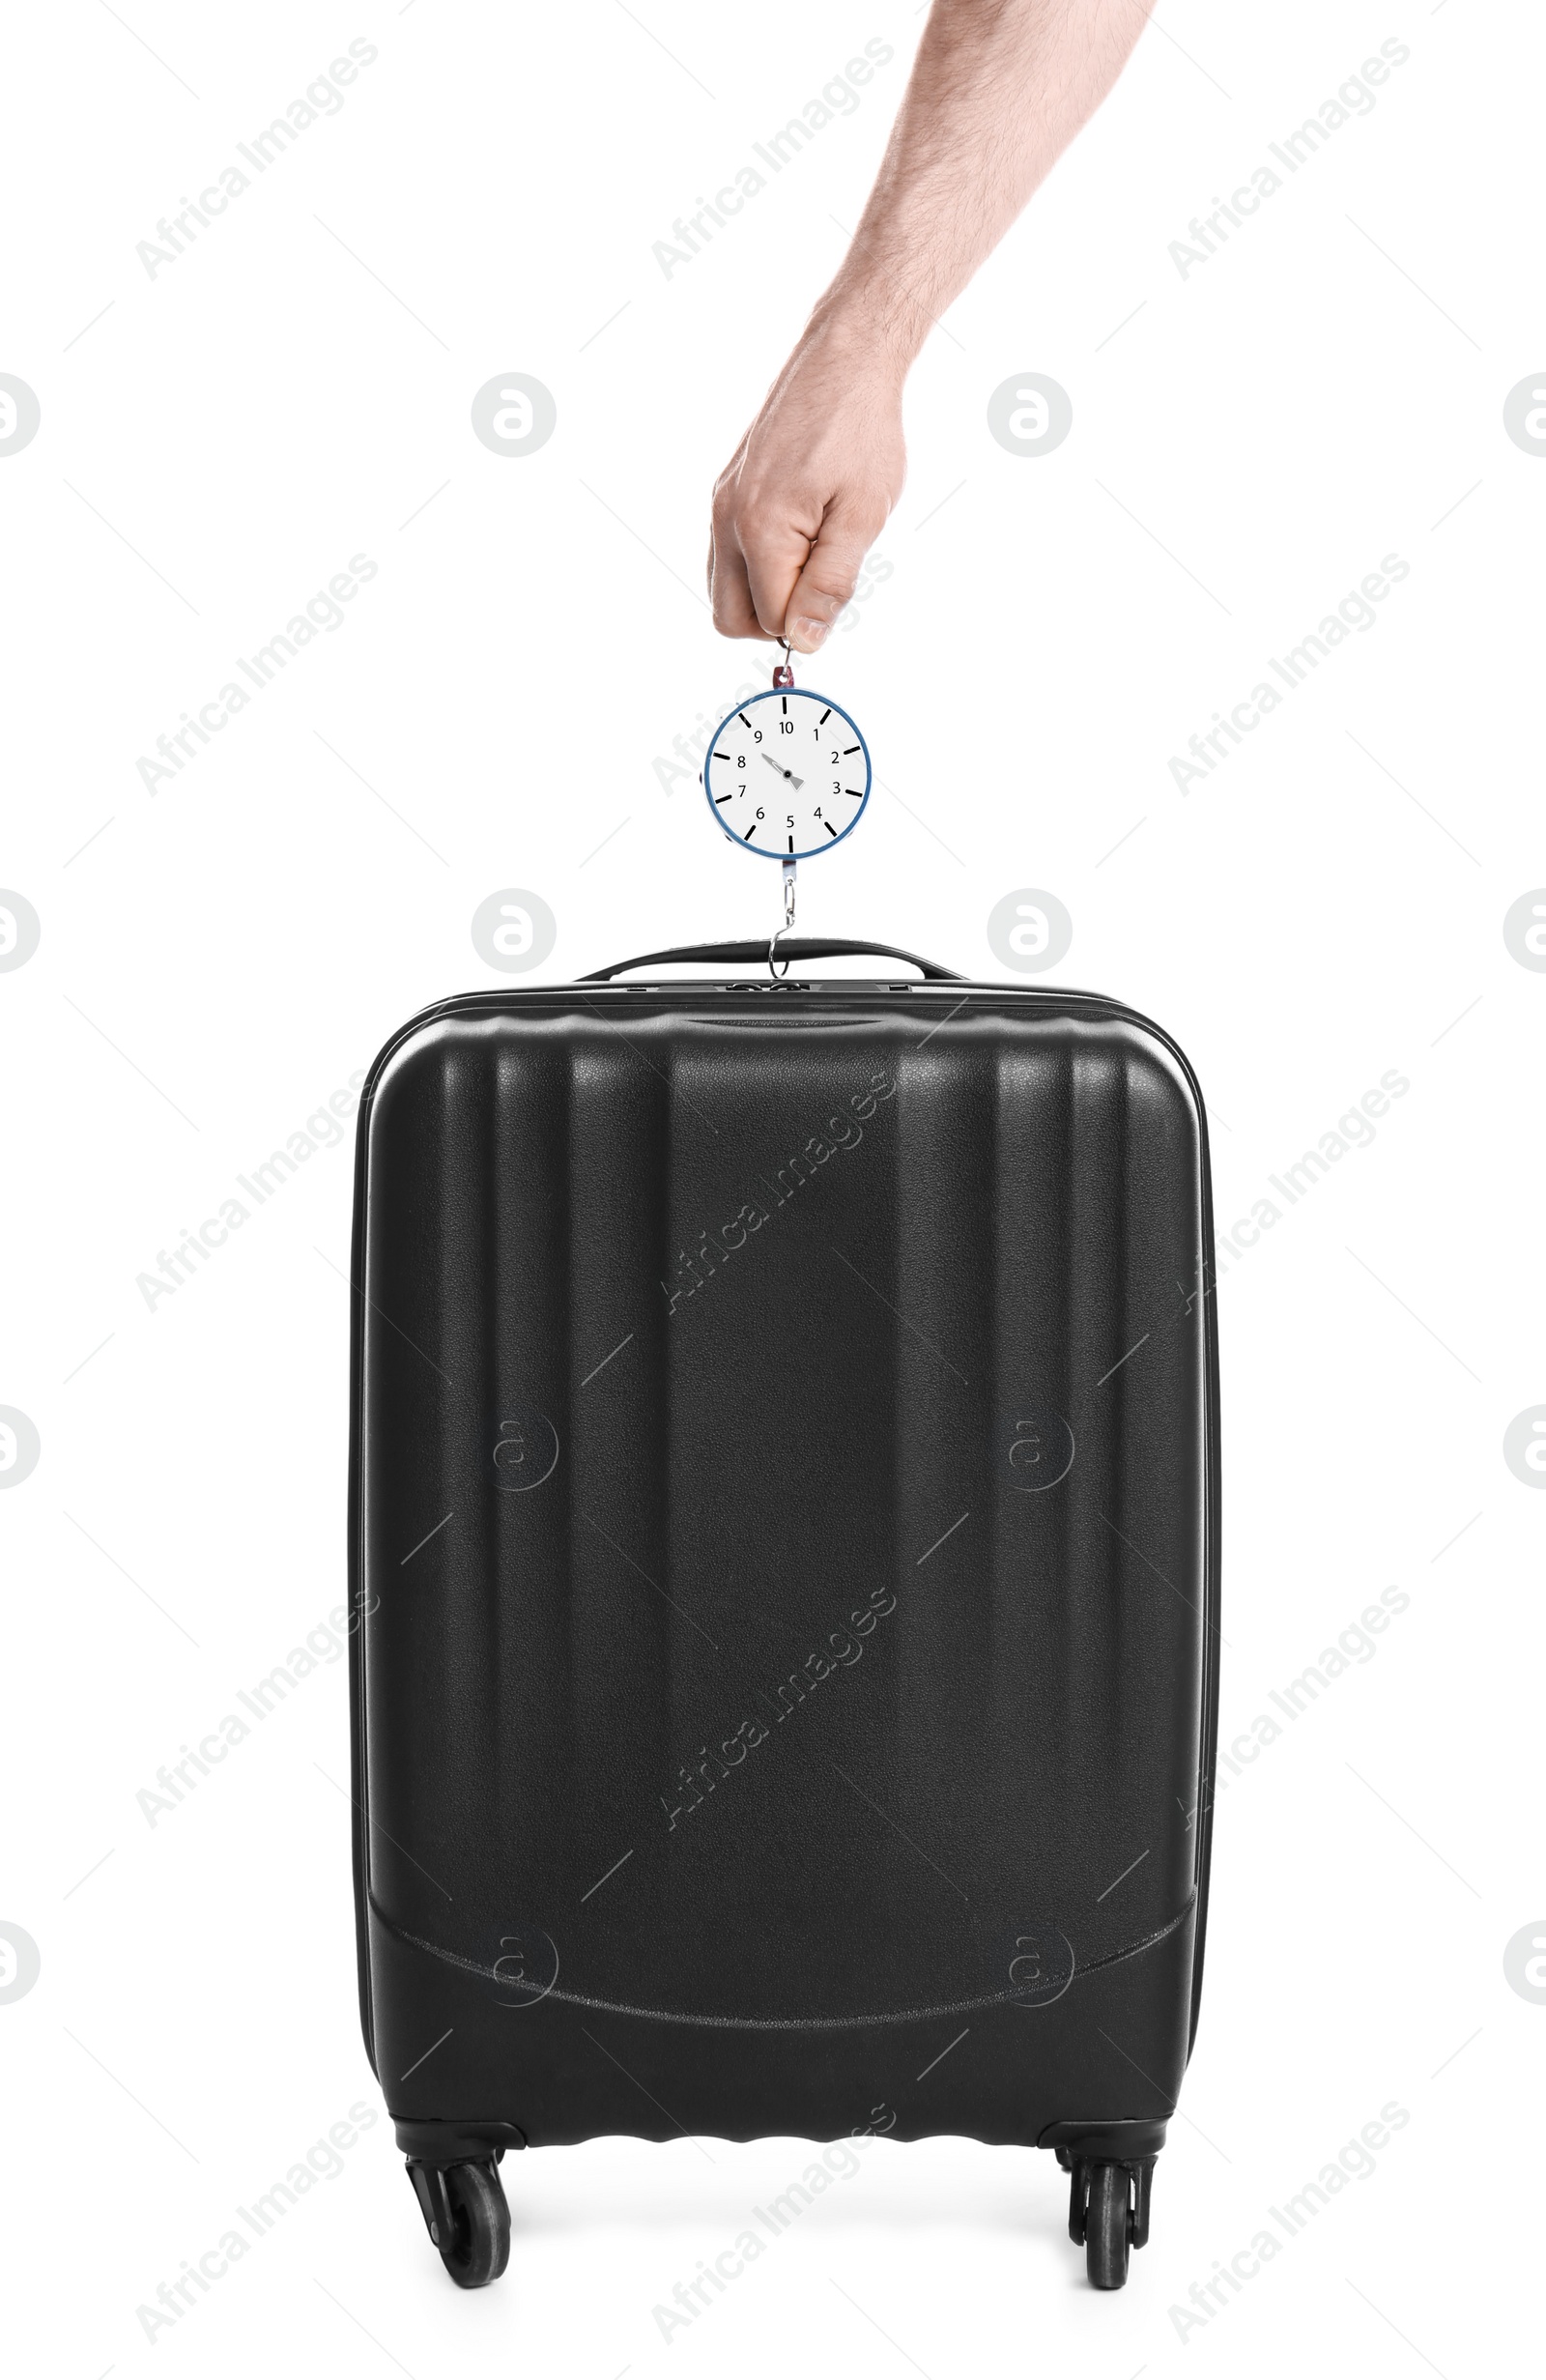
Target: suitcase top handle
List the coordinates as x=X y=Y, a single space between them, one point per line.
x=755 y=954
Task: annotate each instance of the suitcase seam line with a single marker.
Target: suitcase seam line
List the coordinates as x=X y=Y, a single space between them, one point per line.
x=763 y=2024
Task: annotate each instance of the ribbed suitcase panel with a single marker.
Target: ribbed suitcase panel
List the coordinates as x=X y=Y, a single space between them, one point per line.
x=789 y=1644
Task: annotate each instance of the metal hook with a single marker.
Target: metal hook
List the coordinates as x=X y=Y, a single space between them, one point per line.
x=783 y=671
x=787 y=926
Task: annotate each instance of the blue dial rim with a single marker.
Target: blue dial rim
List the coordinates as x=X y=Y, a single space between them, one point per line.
x=816 y=849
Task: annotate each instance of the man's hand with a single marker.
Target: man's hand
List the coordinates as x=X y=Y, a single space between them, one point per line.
x=998 y=89
x=807 y=489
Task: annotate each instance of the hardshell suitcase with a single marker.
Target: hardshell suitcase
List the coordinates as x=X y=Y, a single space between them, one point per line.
x=783 y=1530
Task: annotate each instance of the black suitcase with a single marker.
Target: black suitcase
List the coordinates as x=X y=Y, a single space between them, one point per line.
x=784 y=1541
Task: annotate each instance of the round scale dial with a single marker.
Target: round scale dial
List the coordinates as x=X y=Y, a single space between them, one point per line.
x=787 y=775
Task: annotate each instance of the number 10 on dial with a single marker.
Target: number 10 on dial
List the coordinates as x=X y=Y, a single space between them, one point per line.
x=787 y=775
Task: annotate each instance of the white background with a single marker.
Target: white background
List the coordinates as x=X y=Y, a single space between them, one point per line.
x=218 y=957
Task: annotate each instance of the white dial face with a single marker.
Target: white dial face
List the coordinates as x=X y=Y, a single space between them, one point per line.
x=787 y=775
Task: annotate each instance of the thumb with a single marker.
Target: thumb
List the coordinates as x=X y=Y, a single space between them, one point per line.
x=827 y=582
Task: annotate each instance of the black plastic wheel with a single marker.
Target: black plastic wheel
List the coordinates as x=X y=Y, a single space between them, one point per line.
x=1107 y=2227
x=464 y=2206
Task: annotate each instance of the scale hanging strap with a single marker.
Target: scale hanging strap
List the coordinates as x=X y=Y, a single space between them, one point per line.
x=787 y=926
x=783 y=675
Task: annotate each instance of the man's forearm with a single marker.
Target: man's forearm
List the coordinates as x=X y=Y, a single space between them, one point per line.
x=998 y=90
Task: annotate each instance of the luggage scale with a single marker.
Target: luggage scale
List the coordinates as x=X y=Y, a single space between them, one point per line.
x=816 y=794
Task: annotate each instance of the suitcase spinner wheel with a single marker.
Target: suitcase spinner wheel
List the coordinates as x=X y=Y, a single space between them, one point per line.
x=1109 y=2214
x=468 y=2218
